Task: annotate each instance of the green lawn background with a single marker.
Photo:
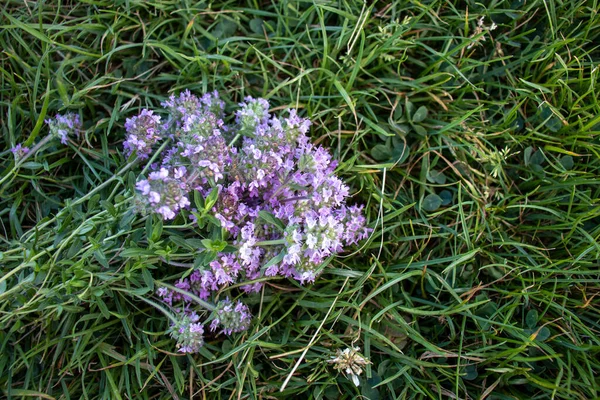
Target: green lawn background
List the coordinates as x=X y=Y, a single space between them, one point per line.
x=469 y=129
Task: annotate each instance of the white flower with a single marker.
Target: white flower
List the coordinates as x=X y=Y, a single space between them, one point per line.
x=350 y=362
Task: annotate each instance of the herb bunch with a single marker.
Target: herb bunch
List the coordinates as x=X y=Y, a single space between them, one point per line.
x=277 y=207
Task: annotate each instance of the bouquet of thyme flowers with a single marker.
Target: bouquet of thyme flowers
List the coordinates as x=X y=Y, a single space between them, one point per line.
x=262 y=200
x=267 y=198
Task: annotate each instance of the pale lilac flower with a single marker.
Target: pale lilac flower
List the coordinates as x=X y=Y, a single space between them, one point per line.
x=232 y=317
x=19 y=151
x=63 y=126
x=252 y=113
x=188 y=333
x=225 y=269
x=163 y=193
x=199 y=143
x=143 y=131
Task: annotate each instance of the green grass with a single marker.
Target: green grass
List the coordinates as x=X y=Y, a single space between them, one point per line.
x=481 y=279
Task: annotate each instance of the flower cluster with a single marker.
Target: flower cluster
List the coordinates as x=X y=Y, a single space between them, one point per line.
x=143 y=131
x=279 y=202
x=232 y=317
x=163 y=192
x=63 y=126
x=188 y=333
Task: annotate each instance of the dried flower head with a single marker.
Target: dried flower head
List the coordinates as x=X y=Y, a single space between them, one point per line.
x=350 y=362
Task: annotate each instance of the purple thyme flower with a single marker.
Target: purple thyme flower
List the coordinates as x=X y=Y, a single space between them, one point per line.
x=188 y=110
x=197 y=129
x=225 y=269
x=164 y=192
x=231 y=317
x=213 y=104
x=143 y=131
x=19 y=151
x=280 y=203
x=253 y=113
x=188 y=333
x=63 y=126
x=355 y=224
x=279 y=199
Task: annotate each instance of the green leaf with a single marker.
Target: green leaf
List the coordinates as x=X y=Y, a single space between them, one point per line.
x=402 y=129
x=186 y=244
x=211 y=199
x=256 y=25
x=148 y=226
x=531 y=319
x=275 y=260
x=74 y=248
x=367 y=389
x=126 y=220
x=470 y=373
x=527 y=155
x=331 y=392
x=214 y=245
x=31 y=165
x=103 y=308
x=200 y=219
x=446 y=196
x=551 y=121
x=410 y=108
x=401 y=151
x=86 y=227
x=140 y=291
x=381 y=152
x=567 y=162
x=543 y=334
x=195 y=244
x=224 y=29
x=157 y=229
x=537 y=158
x=420 y=130
x=198 y=200
x=213 y=220
x=131 y=180
x=101 y=258
x=93 y=202
x=271 y=220
x=148 y=280
x=109 y=207
x=435 y=176
x=420 y=114
x=136 y=252
x=398 y=113
x=538 y=169
x=432 y=202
